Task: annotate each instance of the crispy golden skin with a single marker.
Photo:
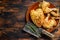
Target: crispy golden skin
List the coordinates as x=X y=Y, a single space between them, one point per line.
x=45 y=5
x=49 y=23
x=38 y=16
x=55 y=13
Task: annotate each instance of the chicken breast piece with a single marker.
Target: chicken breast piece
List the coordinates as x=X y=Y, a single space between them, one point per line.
x=36 y=16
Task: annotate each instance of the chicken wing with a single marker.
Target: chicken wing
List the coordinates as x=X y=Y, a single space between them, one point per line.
x=49 y=23
x=55 y=13
x=45 y=4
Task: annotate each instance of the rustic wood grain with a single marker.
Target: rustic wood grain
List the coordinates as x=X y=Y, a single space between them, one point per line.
x=12 y=20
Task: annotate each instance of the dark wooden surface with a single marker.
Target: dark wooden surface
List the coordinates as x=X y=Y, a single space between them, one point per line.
x=12 y=20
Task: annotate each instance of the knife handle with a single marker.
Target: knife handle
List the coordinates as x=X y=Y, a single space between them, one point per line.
x=46 y=33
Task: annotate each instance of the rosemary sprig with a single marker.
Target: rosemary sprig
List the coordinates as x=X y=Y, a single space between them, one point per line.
x=33 y=28
x=29 y=27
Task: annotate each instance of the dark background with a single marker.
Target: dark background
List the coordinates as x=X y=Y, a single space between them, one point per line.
x=12 y=20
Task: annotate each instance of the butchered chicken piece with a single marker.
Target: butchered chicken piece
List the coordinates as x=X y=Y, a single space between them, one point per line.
x=45 y=5
x=49 y=23
x=37 y=17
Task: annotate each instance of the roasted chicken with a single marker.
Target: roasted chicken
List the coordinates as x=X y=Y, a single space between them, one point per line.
x=36 y=16
x=40 y=19
x=49 y=23
x=45 y=5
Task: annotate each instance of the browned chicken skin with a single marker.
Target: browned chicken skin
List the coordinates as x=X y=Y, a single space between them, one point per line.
x=38 y=16
x=49 y=23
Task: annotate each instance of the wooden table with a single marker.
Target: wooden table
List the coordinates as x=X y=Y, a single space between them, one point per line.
x=12 y=20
